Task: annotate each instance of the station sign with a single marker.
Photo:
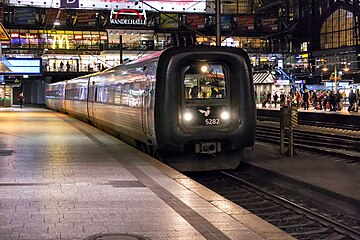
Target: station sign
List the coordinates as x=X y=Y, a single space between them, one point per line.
x=128 y=17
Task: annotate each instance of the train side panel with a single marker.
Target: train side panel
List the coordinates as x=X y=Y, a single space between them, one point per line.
x=76 y=92
x=121 y=103
x=55 y=95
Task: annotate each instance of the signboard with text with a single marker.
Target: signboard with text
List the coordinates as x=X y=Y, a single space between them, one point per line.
x=128 y=17
x=84 y=18
x=25 y=16
x=245 y=22
x=269 y=24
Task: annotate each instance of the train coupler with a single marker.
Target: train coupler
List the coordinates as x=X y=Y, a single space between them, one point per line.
x=208 y=147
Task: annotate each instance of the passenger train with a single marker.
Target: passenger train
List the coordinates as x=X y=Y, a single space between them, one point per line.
x=191 y=107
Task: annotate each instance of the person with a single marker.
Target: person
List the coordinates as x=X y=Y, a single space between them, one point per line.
x=332 y=101
x=61 y=66
x=306 y=98
x=352 y=100
x=21 y=99
x=275 y=97
x=67 y=66
x=194 y=91
x=338 y=98
x=214 y=93
x=282 y=99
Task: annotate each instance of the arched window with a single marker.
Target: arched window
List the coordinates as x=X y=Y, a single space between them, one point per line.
x=338 y=30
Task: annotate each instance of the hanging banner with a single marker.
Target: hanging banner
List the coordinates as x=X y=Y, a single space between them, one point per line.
x=245 y=22
x=169 y=21
x=84 y=18
x=226 y=22
x=25 y=16
x=195 y=21
x=269 y=24
x=52 y=14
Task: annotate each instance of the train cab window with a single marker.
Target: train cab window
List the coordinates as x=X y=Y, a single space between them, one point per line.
x=204 y=81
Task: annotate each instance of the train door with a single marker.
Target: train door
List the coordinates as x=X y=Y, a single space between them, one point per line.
x=145 y=108
x=91 y=100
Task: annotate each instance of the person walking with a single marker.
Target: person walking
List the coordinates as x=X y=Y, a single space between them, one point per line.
x=352 y=100
x=306 y=99
x=21 y=99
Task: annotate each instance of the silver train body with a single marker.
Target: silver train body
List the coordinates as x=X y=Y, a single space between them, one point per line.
x=191 y=107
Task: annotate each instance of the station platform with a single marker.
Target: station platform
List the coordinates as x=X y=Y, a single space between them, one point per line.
x=335 y=177
x=63 y=179
x=311 y=110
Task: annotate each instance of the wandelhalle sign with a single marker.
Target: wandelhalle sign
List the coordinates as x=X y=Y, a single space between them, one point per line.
x=128 y=17
x=69 y=3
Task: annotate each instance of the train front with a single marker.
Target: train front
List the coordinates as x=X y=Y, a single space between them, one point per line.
x=205 y=108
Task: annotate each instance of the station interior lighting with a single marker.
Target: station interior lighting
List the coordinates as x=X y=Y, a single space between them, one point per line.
x=204 y=68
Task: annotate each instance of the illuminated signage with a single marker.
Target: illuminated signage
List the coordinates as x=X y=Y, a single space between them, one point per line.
x=69 y=3
x=281 y=82
x=128 y=17
x=62 y=41
x=22 y=66
x=299 y=81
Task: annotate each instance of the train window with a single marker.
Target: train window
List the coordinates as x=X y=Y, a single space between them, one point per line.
x=204 y=81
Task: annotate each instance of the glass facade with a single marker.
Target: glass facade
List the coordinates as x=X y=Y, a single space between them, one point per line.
x=57 y=39
x=338 y=30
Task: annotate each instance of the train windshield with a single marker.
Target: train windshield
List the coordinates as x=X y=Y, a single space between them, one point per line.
x=204 y=81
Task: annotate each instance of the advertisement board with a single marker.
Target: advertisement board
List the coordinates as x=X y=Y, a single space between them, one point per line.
x=269 y=24
x=245 y=22
x=84 y=18
x=52 y=14
x=169 y=21
x=226 y=23
x=25 y=16
x=148 y=5
x=195 y=21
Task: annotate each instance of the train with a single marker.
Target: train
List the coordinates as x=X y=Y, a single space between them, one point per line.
x=191 y=107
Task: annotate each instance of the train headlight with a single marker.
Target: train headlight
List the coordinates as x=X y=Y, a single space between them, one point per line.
x=188 y=116
x=225 y=115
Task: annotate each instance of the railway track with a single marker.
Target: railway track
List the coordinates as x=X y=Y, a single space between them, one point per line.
x=337 y=125
x=342 y=143
x=299 y=221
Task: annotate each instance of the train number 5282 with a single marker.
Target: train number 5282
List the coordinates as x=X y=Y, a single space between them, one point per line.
x=212 y=121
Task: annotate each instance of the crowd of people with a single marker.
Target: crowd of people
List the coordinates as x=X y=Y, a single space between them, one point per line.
x=319 y=100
